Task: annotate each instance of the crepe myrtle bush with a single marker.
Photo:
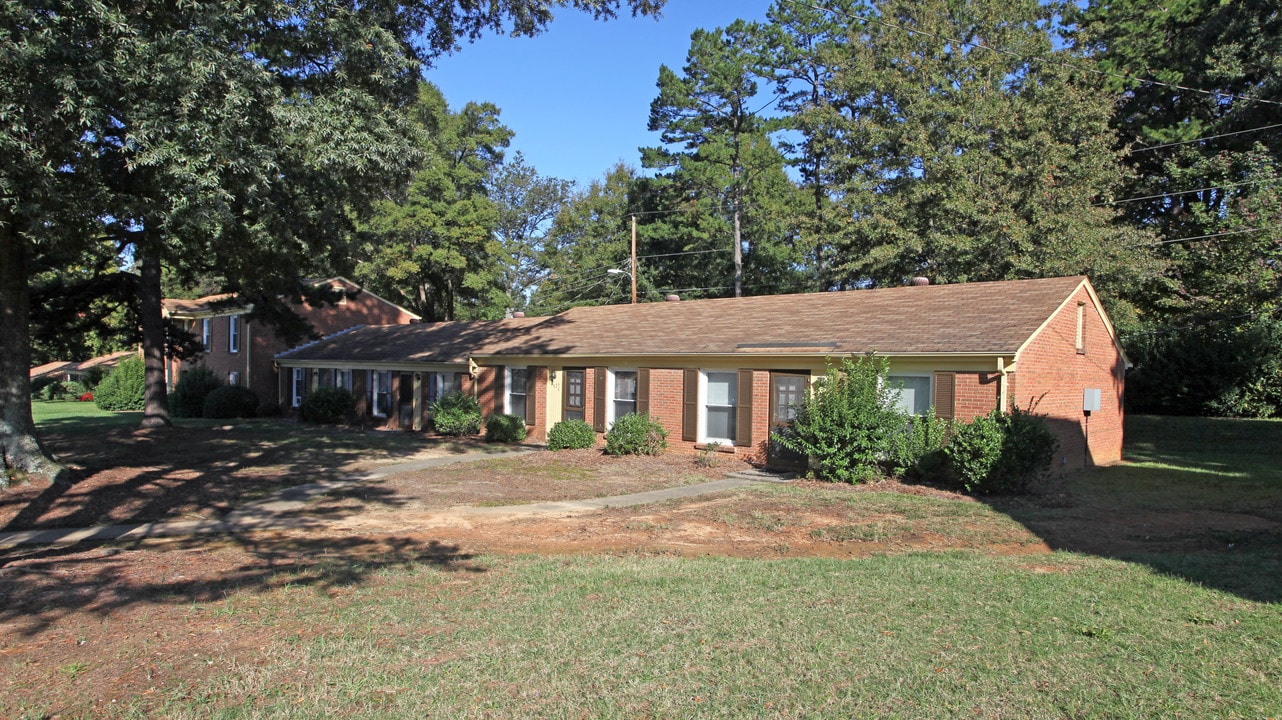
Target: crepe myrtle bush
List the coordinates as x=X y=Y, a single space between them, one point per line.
x=849 y=421
x=571 y=435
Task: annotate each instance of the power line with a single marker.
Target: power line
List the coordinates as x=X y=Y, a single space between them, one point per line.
x=1208 y=137
x=689 y=252
x=1184 y=192
x=1207 y=237
x=1123 y=76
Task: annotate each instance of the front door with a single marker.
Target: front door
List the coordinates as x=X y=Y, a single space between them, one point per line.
x=575 y=390
x=787 y=391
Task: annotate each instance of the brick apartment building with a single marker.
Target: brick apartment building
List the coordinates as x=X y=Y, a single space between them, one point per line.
x=726 y=371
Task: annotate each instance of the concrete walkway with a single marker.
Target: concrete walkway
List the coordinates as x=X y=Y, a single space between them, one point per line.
x=268 y=514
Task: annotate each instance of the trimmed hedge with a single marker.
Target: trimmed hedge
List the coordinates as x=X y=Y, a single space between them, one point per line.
x=456 y=414
x=505 y=429
x=327 y=405
x=123 y=387
x=230 y=402
x=571 y=435
x=1000 y=453
x=636 y=434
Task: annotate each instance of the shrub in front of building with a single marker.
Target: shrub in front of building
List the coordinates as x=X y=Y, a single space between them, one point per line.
x=230 y=402
x=123 y=387
x=327 y=405
x=456 y=414
x=636 y=434
x=505 y=428
x=571 y=435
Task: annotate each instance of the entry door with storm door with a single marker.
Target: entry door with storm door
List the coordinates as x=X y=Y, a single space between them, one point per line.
x=787 y=391
x=573 y=399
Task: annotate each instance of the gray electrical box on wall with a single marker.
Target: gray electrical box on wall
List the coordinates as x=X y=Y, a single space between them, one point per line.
x=1090 y=400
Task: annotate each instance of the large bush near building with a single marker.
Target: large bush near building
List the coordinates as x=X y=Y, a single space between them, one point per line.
x=230 y=402
x=194 y=385
x=327 y=405
x=848 y=422
x=636 y=434
x=123 y=387
x=456 y=414
x=571 y=435
x=998 y=453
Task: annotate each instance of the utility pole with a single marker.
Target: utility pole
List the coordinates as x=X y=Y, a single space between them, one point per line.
x=633 y=266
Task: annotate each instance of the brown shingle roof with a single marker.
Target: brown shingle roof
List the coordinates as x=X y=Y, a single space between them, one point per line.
x=210 y=304
x=978 y=318
x=441 y=342
x=986 y=318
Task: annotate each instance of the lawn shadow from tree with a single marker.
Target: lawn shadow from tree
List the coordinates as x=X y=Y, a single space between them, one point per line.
x=41 y=585
x=1196 y=498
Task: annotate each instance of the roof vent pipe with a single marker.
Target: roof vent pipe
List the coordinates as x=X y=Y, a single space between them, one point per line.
x=919 y=280
x=673 y=298
x=518 y=314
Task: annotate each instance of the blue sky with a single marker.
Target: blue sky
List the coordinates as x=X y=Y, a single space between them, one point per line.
x=578 y=96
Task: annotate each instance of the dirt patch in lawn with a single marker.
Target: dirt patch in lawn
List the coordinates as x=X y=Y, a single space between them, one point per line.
x=200 y=472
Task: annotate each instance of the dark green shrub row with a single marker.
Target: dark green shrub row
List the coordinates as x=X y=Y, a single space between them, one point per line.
x=505 y=428
x=122 y=389
x=636 y=434
x=230 y=402
x=571 y=435
x=327 y=405
x=193 y=386
x=456 y=414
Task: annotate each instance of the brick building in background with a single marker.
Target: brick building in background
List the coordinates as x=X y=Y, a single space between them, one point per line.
x=726 y=371
x=242 y=352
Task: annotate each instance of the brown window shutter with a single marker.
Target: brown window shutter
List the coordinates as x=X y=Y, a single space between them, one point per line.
x=532 y=390
x=743 y=411
x=598 y=399
x=945 y=395
x=497 y=383
x=643 y=391
x=690 y=406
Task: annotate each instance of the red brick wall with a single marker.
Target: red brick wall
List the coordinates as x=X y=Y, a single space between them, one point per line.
x=538 y=394
x=487 y=381
x=976 y=394
x=1051 y=375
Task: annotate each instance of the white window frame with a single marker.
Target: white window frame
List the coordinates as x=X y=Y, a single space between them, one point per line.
x=341 y=378
x=507 y=387
x=233 y=378
x=300 y=376
x=233 y=333
x=703 y=405
x=898 y=379
x=610 y=414
x=206 y=334
x=374 y=386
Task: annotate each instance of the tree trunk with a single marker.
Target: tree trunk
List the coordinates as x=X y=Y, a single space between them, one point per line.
x=20 y=448
x=738 y=253
x=155 y=411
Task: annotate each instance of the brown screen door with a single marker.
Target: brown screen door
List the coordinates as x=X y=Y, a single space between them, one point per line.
x=573 y=395
x=787 y=390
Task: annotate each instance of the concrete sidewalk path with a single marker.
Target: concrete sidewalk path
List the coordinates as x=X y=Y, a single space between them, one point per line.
x=267 y=514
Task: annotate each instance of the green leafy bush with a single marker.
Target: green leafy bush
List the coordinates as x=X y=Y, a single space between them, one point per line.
x=268 y=409
x=193 y=386
x=571 y=435
x=230 y=402
x=327 y=405
x=123 y=387
x=636 y=434
x=73 y=389
x=917 y=453
x=40 y=384
x=849 y=421
x=58 y=390
x=456 y=414
x=505 y=428
x=1000 y=453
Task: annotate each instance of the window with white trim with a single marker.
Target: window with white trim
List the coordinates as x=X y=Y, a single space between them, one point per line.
x=343 y=379
x=914 y=393
x=720 y=401
x=380 y=385
x=440 y=384
x=517 y=380
x=233 y=379
x=207 y=334
x=623 y=393
x=300 y=386
x=233 y=333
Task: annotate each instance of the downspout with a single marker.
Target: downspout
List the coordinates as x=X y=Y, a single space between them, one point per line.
x=249 y=348
x=1002 y=387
